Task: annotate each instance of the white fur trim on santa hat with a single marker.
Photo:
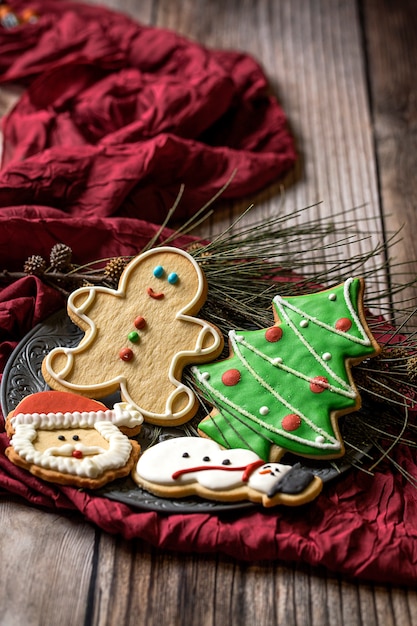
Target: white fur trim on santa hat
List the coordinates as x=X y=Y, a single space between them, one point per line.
x=122 y=414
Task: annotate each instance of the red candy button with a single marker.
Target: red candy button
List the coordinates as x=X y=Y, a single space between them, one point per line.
x=344 y=324
x=291 y=422
x=126 y=354
x=273 y=334
x=140 y=322
x=319 y=384
x=231 y=377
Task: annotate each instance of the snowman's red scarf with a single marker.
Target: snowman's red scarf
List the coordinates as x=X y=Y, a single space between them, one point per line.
x=245 y=469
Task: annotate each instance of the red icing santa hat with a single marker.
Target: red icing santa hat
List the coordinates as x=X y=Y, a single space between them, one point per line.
x=52 y=409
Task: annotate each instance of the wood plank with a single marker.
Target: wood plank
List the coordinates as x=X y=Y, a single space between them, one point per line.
x=312 y=55
x=136 y=583
x=8 y=97
x=46 y=565
x=390 y=34
x=142 y=11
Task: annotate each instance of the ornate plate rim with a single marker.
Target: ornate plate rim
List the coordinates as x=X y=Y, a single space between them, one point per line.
x=123 y=490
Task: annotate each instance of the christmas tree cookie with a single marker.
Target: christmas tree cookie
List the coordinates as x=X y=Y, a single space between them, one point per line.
x=283 y=388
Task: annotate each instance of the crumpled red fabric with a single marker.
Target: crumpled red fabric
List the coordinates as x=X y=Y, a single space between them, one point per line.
x=361 y=526
x=99 y=191
x=117 y=116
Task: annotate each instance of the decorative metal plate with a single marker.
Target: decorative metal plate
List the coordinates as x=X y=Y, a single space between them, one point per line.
x=23 y=376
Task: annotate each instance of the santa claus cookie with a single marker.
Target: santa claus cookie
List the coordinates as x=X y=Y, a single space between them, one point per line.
x=186 y=466
x=283 y=388
x=71 y=440
x=139 y=337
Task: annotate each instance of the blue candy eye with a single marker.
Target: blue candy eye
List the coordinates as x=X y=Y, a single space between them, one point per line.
x=173 y=278
x=158 y=271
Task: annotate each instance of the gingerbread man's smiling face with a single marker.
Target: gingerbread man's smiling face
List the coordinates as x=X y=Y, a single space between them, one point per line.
x=162 y=276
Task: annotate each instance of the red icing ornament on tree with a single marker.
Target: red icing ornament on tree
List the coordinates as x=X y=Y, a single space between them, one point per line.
x=231 y=377
x=344 y=324
x=319 y=384
x=273 y=334
x=301 y=383
x=291 y=422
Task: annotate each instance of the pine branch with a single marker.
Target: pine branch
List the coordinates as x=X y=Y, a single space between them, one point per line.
x=246 y=266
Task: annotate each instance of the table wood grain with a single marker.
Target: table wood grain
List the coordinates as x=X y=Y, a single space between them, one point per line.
x=344 y=72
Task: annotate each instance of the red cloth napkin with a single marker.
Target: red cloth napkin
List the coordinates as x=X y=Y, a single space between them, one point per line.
x=104 y=135
x=118 y=115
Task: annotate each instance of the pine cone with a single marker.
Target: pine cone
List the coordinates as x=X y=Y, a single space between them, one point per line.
x=193 y=247
x=393 y=353
x=35 y=265
x=114 y=268
x=60 y=257
x=412 y=368
x=203 y=257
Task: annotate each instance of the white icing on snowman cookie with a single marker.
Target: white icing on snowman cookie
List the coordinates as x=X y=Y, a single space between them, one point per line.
x=183 y=460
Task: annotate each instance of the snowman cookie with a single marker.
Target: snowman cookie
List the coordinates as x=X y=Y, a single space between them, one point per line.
x=184 y=466
x=139 y=337
x=71 y=440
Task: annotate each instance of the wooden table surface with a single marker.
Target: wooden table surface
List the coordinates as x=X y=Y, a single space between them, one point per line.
x=344 y=72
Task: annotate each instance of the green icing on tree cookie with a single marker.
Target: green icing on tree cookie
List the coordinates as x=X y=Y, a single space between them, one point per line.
x=285 y=385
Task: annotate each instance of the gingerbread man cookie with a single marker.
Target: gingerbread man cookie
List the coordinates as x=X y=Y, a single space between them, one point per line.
x=139 y=337
x=72 y=440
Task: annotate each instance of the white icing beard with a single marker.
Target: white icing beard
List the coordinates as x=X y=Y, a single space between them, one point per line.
x=159 y=463
x=95 y=461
